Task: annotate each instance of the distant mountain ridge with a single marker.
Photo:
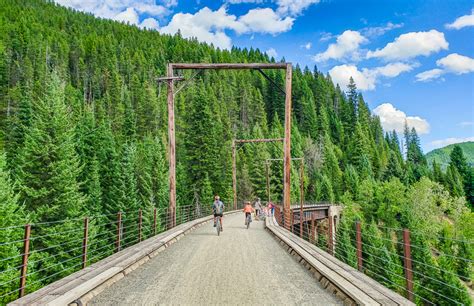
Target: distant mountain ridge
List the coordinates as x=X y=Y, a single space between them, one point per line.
x=441 y=155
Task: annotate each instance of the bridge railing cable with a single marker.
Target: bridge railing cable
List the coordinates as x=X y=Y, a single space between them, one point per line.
x=411 y=268
x=40 y=253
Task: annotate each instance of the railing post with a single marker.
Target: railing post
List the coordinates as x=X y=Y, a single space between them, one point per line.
x=84 y=242
x=292 y=221
x=140 y=225
x=301 y=197
x=24 y=262
x=407 y=261
x=312 y=230
x=119 y=230
x=154 y=221
x=330 y=241
x=359 y=246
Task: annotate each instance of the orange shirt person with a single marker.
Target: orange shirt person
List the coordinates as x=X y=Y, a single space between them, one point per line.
x=248 y=209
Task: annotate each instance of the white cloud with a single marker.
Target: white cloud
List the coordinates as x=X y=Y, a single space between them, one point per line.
x=410 y=45
x=325 y=36
x=379 y=31
x=306 y=46
x=347 y=45
x=206 y=25
x=150 y=23
x=342 y=73
x=128 y=16
x=394 y=119
x=466 y=123
x=120 y=10
x=284 y=7
x=265 y=20
x=453 y=63
x=448 y=141
x=272 y=53
x=367 y=78
x=429 y=75
x=393 y=69
x=293 y=7
x=461 y=22
x=243 y=1
x=209 y=26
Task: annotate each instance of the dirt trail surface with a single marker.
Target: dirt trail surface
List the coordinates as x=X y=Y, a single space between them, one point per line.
x=241 y=267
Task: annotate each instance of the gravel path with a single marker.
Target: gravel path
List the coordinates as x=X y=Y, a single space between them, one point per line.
x=241 y=267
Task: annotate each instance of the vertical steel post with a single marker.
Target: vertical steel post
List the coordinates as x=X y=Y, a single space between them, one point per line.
x=330 y=240
x=172 y=146
x=312 y=235
x=268 y=180
x=234 y=174
x=119 y=231
x=359 y=246
x=140 y=224
x=84 y=242
x=301 y=197
x=154 y=221
x=407 y=265
x=292 y=221
x=24 y=262
x=287 y=148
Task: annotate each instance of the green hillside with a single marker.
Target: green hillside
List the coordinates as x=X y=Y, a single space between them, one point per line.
x=441 y=155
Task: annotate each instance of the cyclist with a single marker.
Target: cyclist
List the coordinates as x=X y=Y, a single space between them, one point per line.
x=258 y=208
x=218 y=209
x=248 y=211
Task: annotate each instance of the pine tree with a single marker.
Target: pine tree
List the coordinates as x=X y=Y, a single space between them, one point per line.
x=49 y=174
x=454 y=181
x=394 y=168
x=459 y=162
x=351 y=181
x=438 y=175
x=12 y=218
x=326 y=192
x=379 y=263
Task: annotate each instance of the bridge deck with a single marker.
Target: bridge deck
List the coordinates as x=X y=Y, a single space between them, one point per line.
x=239 y=267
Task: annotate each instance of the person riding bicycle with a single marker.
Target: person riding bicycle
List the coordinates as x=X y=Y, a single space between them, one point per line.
x=258 y=208
x=248 y=209
x=218 y=209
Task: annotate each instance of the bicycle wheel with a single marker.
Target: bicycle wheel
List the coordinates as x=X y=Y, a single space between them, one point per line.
x=218 y=226
x=248 y=222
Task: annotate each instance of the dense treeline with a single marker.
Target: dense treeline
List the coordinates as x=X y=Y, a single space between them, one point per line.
x=83 y=127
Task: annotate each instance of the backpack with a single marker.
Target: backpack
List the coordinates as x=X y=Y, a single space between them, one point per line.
x=219 y=207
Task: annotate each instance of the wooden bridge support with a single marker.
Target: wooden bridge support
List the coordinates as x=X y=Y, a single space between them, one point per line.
x=119 y=231
x=170 y=79
x=287 y=147
x=330 y=236
x=313 y=230
x=84 y=242
x=234 y=164
x=24 y=261
x=234 y=175
x=172 y=146
x=359 y=246
x=407 y=264
x=301 y=196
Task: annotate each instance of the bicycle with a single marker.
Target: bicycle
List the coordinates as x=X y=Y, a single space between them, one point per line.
x=218 y=225
x=248 y=219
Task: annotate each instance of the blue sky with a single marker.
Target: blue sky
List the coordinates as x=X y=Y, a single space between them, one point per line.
x=412 y=60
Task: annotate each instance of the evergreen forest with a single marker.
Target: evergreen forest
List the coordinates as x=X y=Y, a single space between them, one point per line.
x=83 y=132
